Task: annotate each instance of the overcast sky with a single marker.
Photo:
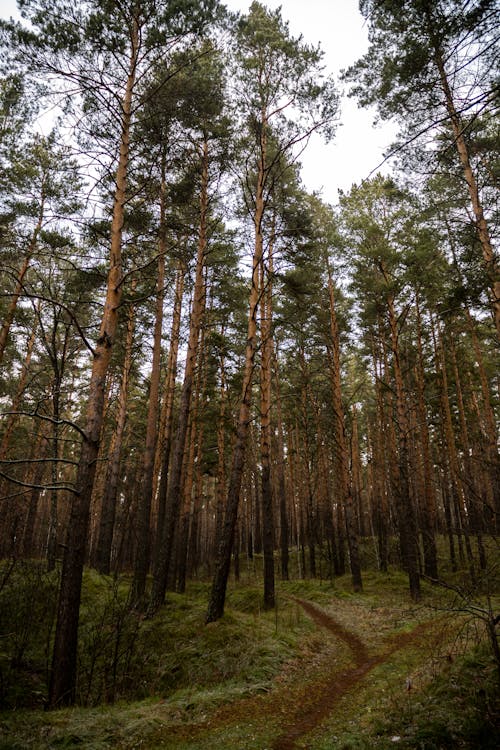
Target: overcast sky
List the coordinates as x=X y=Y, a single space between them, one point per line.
x=358 y=146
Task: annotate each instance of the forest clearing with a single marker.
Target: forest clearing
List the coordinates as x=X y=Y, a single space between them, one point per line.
x=249 y=438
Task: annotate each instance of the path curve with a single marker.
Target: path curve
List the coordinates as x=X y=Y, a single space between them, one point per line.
x=320 y=702
x=356 y=645
x=306 y=705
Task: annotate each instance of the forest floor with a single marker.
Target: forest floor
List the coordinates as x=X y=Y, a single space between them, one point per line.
x=298 y=706
x=352 y=671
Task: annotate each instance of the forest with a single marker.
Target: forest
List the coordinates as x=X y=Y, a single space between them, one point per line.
x=222 y=397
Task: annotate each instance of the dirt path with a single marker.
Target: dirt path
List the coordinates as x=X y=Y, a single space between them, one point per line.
x=320 y=700
x=303 y=705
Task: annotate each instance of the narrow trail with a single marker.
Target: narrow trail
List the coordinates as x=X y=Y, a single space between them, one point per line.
x=358 y=648
x=319 y=703
x=303 y=706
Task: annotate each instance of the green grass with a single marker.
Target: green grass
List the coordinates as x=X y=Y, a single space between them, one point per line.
x=168 y=676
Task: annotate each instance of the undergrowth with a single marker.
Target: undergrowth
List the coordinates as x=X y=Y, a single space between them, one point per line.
x=138 y=678
x=459 y=709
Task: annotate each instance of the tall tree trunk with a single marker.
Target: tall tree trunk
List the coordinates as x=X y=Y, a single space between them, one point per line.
x=307 y=489
x=220 y=489
x=490 y=429
x=457 y=486
x=474 y=517
x=429 y=502
x=194 y=452
x=52 y=535
x=63 y=673
x=174 y=491
x=16 y=401
x=280 y=470
x=265 y=425
x=108 y=505
x=167 y=415
x=405 y=511
x=357 y=482
x=491 y=263
x=35 y=477
x=142 y=557
x=11 y=311
x=341 y=451
x=223 y=564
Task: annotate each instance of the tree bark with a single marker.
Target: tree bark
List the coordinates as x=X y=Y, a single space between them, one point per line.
x=265 y=426
x=142 y=557
x=406 y=513
x=491 y=263
x=167 y=415
x=280 y=470
x=429 y=502
x=174 y=491
x=108 y=505
x=63 y=673
x=341 y=451
x=223 y=564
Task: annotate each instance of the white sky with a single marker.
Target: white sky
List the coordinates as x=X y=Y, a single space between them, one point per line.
x=358 y=146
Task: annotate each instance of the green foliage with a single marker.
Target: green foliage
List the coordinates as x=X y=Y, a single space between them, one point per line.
x=184 y=671
x=28 y=595
x=459 y=709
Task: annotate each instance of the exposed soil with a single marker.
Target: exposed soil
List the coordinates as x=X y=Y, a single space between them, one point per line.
x=321 y=698
x=302 y=705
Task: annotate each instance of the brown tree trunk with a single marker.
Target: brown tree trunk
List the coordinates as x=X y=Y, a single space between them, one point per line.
x=63 y=674
x=457 y=486
x=195 y=451
x=492 y=482
x=223 y=564
x=474 y=516
x=308 y=505
x=16 y=401
x=357 y=482
x=221 y=455
x=167 y=415
x=341 y=452
x=174 y=491
x=142 y=558
x=405 y=511
x=265 y=426
x=108 y=504
x=4 y=330
x=35 y=477
x=491 y=263
x=280 y=471
x=429 y=502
